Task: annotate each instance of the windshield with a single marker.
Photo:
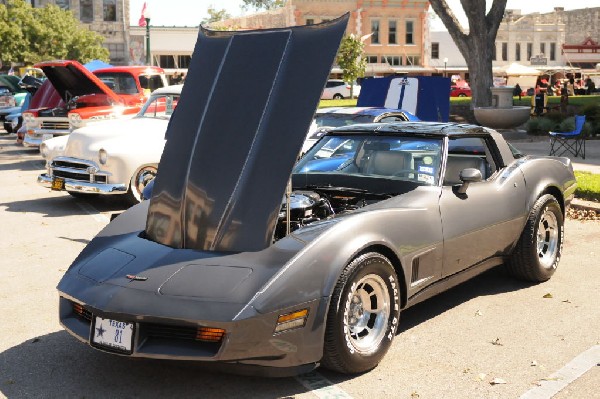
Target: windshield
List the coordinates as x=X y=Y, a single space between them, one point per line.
x=336 y=120
x=119 y=82
x=407 y=158
x=160 y=106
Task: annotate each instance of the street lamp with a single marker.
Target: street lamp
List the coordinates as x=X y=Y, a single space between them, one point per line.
x=445 y=67
x=147 y=18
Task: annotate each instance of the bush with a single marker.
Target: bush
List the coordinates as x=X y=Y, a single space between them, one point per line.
x=568 y=125
x=592 y=116
x=540 y=126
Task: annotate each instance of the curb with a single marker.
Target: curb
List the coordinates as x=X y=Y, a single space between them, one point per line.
x=585 y=205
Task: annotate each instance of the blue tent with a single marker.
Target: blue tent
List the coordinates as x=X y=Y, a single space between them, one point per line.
x=96 y=64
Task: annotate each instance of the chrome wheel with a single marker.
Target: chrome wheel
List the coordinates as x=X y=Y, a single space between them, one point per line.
x=138 y=181
x=547 y=238
x=367 y=313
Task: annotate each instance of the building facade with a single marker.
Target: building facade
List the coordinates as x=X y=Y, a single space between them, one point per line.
x=394 y=31
x=110 y=18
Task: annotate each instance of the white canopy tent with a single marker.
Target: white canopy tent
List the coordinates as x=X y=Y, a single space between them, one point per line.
x=517 y=73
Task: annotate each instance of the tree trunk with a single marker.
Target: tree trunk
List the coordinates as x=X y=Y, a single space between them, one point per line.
x=476 y=46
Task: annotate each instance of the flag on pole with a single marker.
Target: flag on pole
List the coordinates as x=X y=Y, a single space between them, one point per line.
x=142 y=21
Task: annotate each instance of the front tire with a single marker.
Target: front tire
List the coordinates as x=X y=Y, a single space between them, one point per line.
x=363 y=315
x=538 y=251
x=138 y=181
x=338 y=96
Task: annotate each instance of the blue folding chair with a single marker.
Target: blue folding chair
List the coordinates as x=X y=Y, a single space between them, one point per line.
x=571 y=142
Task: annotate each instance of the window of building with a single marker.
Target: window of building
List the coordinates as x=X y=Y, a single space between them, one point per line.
x=518 y=52
x=166 y=61
x=552 y=51
x=372 y=59
x=375 y=31
x=310 y=21
x=413 y=60
x=86 y=10
x=494 y=52
x=392 y=32
x=393 y=60
x=109 y=10
x=504 y=51
x=529 y=51
x=183 y=61
x=543 y=48
x=435 y=51
x=410 y=27
x=117 y=51
x=63 y=4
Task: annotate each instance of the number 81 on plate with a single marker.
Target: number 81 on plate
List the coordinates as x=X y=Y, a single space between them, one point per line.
x=113 y=334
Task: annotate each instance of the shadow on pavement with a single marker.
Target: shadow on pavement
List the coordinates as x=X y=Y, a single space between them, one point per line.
x=26 y=164
x=57 y=365
x=65 y=205
x=492 y=282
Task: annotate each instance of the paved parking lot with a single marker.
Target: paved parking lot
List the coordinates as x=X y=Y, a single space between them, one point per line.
x=492 y=337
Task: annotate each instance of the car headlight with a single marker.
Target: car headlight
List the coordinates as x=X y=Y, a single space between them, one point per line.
x=102 y=156
x=44 y=150
x=75 y=120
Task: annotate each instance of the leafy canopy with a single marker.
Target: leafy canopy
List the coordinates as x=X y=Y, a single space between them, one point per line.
x=30 y=35
x=350 y=59
x=263 y=4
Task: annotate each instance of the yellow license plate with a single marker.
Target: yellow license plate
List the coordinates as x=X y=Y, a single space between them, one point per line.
x=58 y=183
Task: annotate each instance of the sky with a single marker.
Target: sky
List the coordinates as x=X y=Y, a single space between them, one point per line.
x=192 y=12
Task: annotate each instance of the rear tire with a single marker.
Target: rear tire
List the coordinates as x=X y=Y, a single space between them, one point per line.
x=338 y=96
x=363 y=315
x=536 y=256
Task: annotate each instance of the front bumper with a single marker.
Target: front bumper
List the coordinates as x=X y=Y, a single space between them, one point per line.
x=249 y=346
x=79 y=186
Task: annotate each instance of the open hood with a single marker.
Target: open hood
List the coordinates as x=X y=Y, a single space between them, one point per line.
x=247 y=103
x=71 y=79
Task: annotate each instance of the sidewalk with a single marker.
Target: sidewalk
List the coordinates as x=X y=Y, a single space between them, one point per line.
x=540 y=145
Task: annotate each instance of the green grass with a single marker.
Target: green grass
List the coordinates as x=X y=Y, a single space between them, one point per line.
x=338 y=103
x=525 y=101
x=588 y=186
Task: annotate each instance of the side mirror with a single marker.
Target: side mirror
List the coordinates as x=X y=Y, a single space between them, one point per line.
x=467 y=176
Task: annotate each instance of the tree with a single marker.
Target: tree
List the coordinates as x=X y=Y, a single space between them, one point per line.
x=477 y=45
x=30 y=35
x=263 y=4
x=350 y=59
x=215 y=15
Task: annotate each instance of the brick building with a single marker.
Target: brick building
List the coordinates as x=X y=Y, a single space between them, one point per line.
x=395 y=31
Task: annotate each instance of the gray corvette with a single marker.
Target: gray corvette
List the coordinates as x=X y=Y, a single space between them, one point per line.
x=216 y=268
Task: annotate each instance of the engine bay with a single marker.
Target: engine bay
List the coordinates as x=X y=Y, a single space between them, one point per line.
x=309 y=206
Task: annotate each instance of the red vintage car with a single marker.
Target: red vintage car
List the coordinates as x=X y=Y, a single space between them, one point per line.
x=460 y=91
x=106 y=93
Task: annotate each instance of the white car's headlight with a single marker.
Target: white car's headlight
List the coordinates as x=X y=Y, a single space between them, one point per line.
x=75 y=120
x=102 y=156
x=44 y=150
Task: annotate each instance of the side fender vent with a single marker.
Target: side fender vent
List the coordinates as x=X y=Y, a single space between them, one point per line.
x=415 y=270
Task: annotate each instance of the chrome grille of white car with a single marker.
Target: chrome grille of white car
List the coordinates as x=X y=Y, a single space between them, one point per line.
x=77 y=169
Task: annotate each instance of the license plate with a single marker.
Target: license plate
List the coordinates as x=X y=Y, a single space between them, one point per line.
x=58 y=183
x=47 y=136
x=112 y=334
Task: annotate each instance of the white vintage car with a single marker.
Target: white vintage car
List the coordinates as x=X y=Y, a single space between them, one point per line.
x=116 y=157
